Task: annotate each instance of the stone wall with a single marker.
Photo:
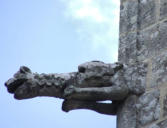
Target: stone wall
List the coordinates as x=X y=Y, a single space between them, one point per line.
x=143 y=38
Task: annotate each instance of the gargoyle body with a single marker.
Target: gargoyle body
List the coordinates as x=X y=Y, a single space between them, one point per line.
x=95 y=81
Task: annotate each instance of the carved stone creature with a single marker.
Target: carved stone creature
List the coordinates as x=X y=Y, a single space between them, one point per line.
x=95 y=81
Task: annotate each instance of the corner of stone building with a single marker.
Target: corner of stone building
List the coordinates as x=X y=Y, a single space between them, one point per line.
x=143 y=38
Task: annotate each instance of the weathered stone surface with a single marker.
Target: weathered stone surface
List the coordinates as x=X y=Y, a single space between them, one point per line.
x=126 y=116
x=94 y=81
x=147 y=13
x=163 y=38
x=159 y=70
x=136 y=77
x=152 y=41
x=128 y=48
x=163 y=9
x=163 y=124
x=26 y=84
x=128 y=16
x=154 y=126
x=96 y=74
x=148 y=108
x=147 y=45
x=165 y=106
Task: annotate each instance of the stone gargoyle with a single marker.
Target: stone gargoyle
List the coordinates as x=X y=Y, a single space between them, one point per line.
x=95 y=81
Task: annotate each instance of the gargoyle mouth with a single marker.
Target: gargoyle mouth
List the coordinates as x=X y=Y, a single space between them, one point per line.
x=13 y=83
x=19 y=78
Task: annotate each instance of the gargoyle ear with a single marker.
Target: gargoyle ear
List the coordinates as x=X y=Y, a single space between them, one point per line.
x=24 y=69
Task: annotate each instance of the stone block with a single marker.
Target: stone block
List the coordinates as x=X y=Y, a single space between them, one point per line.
x=154 y=126
x=164 y=100
x=165 y=106
x=136 y=77
x=126 y=115
x=163 y=124
x=163 y=9
x=147 y=13
x=148 y=43
x=128 y=16
x=127 y=48
x=159 y=70
x=162 y=44
x=148 y=108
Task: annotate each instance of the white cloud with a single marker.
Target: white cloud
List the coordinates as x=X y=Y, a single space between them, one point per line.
x=98 y=23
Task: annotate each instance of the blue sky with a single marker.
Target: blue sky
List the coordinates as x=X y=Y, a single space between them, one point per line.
x=54 y=36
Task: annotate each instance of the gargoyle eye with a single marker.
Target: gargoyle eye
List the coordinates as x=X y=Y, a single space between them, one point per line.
x=82 y=69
